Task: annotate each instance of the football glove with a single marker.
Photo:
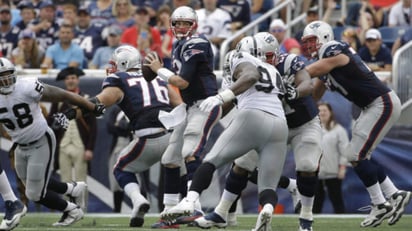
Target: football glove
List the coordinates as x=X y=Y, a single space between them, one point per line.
x=60 y=121
x=210 y=102
x=291 y=92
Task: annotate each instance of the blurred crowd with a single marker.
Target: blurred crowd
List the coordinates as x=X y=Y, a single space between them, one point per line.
x=61 y=33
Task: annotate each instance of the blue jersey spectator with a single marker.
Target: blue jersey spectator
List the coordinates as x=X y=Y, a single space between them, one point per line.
x=375 y=54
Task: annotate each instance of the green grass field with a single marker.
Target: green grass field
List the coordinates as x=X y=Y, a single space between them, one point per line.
x=43 y=221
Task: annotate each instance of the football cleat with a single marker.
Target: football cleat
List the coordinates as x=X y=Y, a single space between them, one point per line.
x=305 y=225
x=211 y=220
x=378 y=214
x=165 y=224
x=14 y=211
x=188 y=219
x=264 y=220
x=70 y=217
x=399 y=201
x=140 y=208
x=184 y=208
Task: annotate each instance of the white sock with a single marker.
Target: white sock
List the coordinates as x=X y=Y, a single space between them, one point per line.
x=192 y=196
x=5 y=189
x=388 y=188
x=70 y=187
x=292 y=185
x=170 y=200
x=132 y=190
x=225 y=203
x=268 y=207
x=376 y=194
x=307 y=206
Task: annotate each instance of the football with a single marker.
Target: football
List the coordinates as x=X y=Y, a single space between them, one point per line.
x=147 y=72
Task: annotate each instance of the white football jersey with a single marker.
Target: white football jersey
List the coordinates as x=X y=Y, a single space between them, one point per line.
x=264 y=95
x=214 y=24
x=20 y=112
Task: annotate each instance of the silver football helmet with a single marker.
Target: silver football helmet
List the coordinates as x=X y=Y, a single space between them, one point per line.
x=269 y=46
x=185 y=14
x=124 y=58
x=227 y=73
x=314 y=36
x=263 y=46
x=7 y=76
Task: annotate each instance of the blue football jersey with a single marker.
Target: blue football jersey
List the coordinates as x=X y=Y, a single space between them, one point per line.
x=8 y=41
x=193 y=61
x=355 y=81
x=301 y=110
x=89 y=40
x=142 y=100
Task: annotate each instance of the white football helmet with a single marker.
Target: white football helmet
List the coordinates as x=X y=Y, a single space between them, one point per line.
x=7 y=76
x=227 y=73
x=263 y=46
x=269 y=46
x=125 y=57
x=314 y=36
x=186 y=14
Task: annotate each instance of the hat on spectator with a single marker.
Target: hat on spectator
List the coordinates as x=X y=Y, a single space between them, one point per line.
x=25 y=4
x=83 y=10
x=45 y=4
x=278 y=23
x=142 y=10
x=313 y=10
x=115 y=30
x=373 y=34
x=4 y=9
x=27 y=33
x=69 y=71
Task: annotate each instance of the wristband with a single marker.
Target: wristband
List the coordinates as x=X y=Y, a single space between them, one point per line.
x=227 y=95
x=165 y=73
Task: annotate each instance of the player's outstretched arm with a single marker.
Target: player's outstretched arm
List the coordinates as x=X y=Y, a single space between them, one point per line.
x=110 y=95
x=246 y=75
x=55 y=94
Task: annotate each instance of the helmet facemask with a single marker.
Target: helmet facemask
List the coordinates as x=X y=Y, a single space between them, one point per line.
x=7 y=76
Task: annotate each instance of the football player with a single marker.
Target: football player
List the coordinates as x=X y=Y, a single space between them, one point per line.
x=21 y=116
x=192 y=59
x=339 y=68
x=256 y=85
x=142 y=102
x=304 y=134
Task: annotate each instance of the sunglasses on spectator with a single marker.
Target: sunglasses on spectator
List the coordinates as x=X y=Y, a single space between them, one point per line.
x=371 y=40
x=277 y=30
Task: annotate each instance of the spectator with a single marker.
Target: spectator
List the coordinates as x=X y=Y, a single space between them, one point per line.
x=260 y=7
x=400 y=14
x=278 y=30
x=75 y=145
x=8 y=34
x=402 y=40
x=122 y=13
x=28 y=54
x=27 y=13
x=103 y=54
x=358 y=9
x=350 y=36
x=100 y=12
x=239 y=11
x=64 y=53
x=142 y=36
x=118 y=126
x=152 y=7
x=163 y=25
x=45 y=26
x=87 y=35
x=375 y=54
x=332 y=167
x=214 y=23
x=69 y=13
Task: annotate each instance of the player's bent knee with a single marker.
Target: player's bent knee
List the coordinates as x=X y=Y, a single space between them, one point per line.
x=32 y=195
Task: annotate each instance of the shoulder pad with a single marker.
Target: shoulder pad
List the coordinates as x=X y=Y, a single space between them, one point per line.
x=331 y=49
